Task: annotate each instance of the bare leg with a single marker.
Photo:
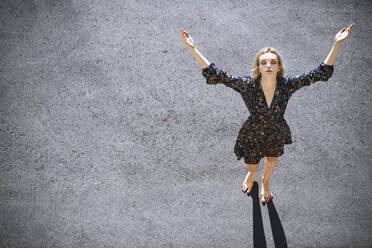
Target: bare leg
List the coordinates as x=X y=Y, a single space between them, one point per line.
x=248 y=181
x=270 y=164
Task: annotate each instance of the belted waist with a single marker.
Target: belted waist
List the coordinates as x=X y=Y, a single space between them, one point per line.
x=256 y=116
x=265 y=117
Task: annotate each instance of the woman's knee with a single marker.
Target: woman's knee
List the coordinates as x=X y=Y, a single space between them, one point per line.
x=272 y=159
x=253 y=167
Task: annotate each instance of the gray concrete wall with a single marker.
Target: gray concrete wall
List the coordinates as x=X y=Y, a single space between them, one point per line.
x=110 y=136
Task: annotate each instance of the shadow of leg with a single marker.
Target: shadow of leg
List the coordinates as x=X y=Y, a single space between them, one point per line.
x=258 y=229
x=276 y=226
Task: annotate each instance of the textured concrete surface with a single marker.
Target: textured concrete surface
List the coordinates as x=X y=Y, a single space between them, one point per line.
x=110 y=136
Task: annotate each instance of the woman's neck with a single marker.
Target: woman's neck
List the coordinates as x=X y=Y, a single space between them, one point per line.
x=268 y=80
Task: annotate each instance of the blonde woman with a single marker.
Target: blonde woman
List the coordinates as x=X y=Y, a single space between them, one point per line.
x=266 y=94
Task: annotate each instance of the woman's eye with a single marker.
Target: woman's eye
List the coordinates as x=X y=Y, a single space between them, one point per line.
x=273 y=62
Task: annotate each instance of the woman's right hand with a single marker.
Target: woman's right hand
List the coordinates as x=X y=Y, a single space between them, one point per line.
x=187 y=39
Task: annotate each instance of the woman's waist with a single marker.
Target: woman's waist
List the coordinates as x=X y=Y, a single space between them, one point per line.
x=266 y=118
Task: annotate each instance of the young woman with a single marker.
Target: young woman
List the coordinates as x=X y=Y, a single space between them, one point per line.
x=266 y=94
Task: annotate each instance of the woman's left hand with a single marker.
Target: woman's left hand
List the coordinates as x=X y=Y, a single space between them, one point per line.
x=343 y=34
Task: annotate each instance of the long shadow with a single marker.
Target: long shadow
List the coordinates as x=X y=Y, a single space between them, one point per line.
x=258 y=229
x=276 y=226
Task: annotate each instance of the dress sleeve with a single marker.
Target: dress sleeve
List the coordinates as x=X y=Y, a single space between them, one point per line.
x=321 y=73
x=216 y=76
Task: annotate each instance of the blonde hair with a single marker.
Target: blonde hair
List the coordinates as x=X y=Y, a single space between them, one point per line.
x=256 y=73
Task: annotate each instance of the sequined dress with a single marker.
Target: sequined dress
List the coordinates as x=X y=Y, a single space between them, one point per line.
x=265 y=132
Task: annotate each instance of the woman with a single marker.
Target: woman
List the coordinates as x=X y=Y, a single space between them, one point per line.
x=266 y=94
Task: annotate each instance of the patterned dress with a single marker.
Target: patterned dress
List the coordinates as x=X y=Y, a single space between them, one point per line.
x=266 y=131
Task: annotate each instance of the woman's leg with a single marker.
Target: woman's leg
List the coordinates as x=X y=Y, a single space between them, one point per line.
x=270 y=164
x=248 y=181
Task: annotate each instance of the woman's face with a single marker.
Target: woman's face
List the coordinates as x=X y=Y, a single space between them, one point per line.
x=269 y=64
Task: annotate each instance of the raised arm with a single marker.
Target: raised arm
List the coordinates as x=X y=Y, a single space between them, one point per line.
x=189 y=42
x=211 y=72
x=342 y=35
x=216 y=76
x=323 y=71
